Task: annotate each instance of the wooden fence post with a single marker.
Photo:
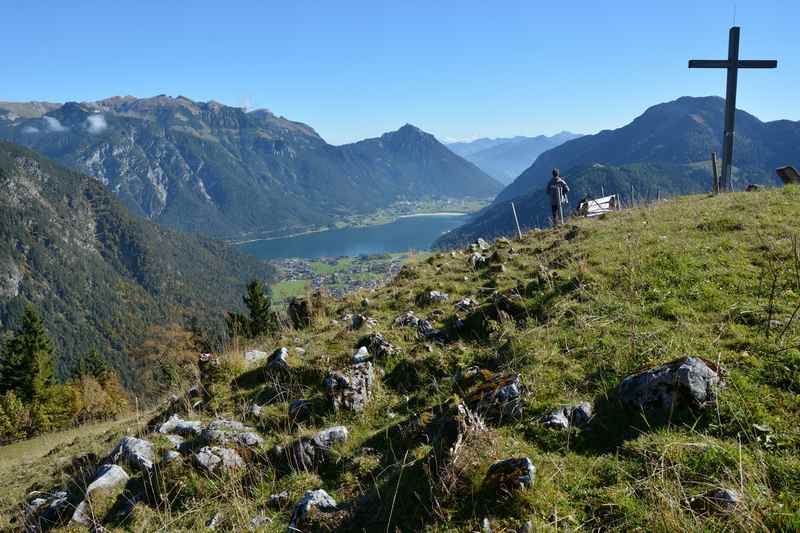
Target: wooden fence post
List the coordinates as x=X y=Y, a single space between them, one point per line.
x=715 y=177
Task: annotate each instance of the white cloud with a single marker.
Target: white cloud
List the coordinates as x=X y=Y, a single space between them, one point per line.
x=52 y=124
x=96 y=123
x=30 y=129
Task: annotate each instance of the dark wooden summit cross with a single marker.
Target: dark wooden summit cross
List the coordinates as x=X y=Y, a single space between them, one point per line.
x=732 y=64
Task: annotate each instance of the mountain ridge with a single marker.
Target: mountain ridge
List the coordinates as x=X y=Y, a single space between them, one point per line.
x=667 y=148
x=101 y=277
x=226 y=172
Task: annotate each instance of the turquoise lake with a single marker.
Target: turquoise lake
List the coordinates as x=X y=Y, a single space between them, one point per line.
x=402 y=235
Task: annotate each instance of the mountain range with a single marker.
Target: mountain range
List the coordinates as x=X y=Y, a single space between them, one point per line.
x=102 y=278
x=506 y=158
x=228 y=173
x=666 y=150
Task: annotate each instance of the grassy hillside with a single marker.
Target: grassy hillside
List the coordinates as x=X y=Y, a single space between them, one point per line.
x=580 y=308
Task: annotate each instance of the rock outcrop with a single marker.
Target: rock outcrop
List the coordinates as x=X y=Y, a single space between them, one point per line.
x=510 y=475
x=312 y=502
x=224 y=432
x=101 y=494
x=577 y=415
x=308 y=453
x=683 y=383
x=136 y=453
x=213 y=458
x=350 y=389
x=176 y=425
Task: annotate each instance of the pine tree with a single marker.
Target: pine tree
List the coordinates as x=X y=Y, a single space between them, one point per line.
x=92 y=365
x=262 y=319
x=28 y=367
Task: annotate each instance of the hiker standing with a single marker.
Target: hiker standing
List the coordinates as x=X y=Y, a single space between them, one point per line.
x=558 y=190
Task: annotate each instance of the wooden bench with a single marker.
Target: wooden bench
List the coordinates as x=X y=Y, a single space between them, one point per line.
x=788 y=174
x=594 y=207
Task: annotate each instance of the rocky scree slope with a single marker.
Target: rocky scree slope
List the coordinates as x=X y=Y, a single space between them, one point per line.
x=634 y=372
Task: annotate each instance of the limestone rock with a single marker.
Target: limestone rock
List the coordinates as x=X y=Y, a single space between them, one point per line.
x=136 y=453
x=46 y=510
x=308 y=453
x=465 y=304
x=350 y=390
x=299 y=410
x=279 y=500
x=426 y=330
x=377 y=345
x=221 y=431
x=254 y=356
x=109 y=482
x=721 y=500
x=432 y=297
x=279 y=359
x=211 y=458
x=362 y=355
x=510 y=475
x=177 y=425
x=312 y=501
x=170 y=456
x=577 y=415
x=684 y=382
x=358 y=321
x=406 y=319
x=476 y=260
x=495 y=396
x=254 y=410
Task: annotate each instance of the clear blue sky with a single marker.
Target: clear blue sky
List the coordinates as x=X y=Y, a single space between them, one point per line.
x=356 y=69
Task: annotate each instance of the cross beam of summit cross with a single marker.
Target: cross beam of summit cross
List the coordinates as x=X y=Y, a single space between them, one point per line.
x=732 y=64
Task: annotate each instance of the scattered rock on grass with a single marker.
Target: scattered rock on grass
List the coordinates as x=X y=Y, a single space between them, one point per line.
x=406 y=319
x=101 y=494
x=466 y=304
x=684 y=382
x=279 y=500
x=362 y=355
x=211 y=458
x=495 y=396
x=351 y=389
x=179 y=426
x=279 y=359
x=722 y=500
x=254 y=356
x=299 y=410
x=308 y=453
x=221 y=431
x=510 y=475
x=377 y=345
x=313 y=501
x=432 y=297
x=136 y=453
x=577 y=415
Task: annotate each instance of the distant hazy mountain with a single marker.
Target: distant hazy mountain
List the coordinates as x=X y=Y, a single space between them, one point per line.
x=683 y=131
x=506 y=158
x=225 y=172
x=100 y=277
x=665 y=150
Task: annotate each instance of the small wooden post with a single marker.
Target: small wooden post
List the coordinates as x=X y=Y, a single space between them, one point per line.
x=715 y=177
x=516 y=220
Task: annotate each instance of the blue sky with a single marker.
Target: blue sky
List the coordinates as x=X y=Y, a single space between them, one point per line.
x=356 y=69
